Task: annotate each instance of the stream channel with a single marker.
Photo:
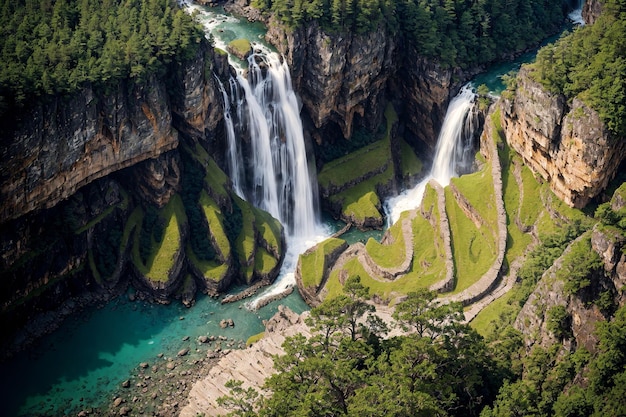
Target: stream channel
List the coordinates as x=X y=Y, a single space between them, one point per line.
x=85 y=361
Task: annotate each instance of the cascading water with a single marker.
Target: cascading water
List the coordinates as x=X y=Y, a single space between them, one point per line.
x=234 y=157
x=453 y=153
x=278 y=180
x=576 y=15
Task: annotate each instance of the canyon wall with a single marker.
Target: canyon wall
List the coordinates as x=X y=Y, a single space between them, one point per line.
x=64 y=143
x=565 y=143
x=338 y=75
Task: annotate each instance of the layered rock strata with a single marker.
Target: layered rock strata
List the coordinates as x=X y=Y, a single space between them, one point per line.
x=566 y=144
x=338 y=76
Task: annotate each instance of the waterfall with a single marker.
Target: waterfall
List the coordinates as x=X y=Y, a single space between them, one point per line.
x=267 y=115
x=576 y=15
x=264 y=133
x=453 y=153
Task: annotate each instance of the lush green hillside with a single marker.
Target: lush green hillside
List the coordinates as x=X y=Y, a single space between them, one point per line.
x=591 y=64
x=456 y=32
x=50 y=47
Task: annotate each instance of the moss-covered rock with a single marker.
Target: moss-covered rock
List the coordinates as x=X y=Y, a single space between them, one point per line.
x=313 y=267
x=241 y=48
x=160 y=272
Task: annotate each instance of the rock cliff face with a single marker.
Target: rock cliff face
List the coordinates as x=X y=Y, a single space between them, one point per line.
x=591 y=11
x=583 y=311
x=567 y=144
x=73 y=169
x=425 y=89
x=68 y=143
x=338 y=75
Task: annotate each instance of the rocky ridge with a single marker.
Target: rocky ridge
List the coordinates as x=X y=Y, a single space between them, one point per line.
x=566 y=144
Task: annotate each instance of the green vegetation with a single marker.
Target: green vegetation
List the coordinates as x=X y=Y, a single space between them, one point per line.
x=343 y=172
x=517 y=239
x=559 y=322
x=57 y=47
x=580 y=262
x=498 y=311
x=410 y=164
x=269 y=229
x=388 y=255
x=590 y=64
x=161 y=252
x=313 y=262
x=559 y=383
x=359 y=201
x=456 y=32
x=348 y=368
x=214 y=218
x=473 y=249
x=360 y=137
x=264 y=262
x=541 y=258
x=240 y=47
x=428 y=265
x=255 y=338
x=245 y=244
x=195 y=198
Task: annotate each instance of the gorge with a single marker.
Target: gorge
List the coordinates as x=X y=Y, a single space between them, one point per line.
x=94 y=184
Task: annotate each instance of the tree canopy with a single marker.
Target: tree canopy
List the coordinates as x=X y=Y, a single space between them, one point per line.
x=590 y=63
x=348 y=369
x=54 y=46
x=460 y=33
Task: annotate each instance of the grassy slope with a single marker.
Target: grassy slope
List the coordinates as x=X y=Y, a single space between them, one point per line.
x=474 y=249
x=245 y=244
x=161 y=259
x=212 y=269
x=428 y=261
x=312 y=264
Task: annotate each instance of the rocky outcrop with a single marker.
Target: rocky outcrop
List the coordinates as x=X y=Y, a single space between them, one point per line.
x=581 y=307
x=338 y=76
x=252 y=365
x=157 y=179
x=591 y=11
x=567 y=144
x=67 y=143
x=425 y=89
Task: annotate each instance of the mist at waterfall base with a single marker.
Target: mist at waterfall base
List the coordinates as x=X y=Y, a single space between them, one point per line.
x=453 y=151
x=84 y=362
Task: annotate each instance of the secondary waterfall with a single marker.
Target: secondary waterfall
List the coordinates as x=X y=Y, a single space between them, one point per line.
x=453 y=153
x=576 y=15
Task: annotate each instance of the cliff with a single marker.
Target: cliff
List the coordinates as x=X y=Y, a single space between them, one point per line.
x=103 y=188
x=565 y=143
x=591 y=11
x=338 y=76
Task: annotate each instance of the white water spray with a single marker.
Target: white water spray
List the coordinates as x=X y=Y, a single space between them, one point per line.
x=576 y=15
x=453 y=152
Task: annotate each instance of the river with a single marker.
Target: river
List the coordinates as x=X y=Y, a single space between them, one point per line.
x=85 y=361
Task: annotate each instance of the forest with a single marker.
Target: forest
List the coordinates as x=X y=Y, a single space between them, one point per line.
x=55 y=46
x=457 y=33
x=590 y=63
x=442 y=367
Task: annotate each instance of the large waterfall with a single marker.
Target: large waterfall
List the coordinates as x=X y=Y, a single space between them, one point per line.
x=453 y=153
x=267 y=114
x=267 y=138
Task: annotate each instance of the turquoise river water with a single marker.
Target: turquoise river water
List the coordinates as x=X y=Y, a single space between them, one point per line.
x=85 y=361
